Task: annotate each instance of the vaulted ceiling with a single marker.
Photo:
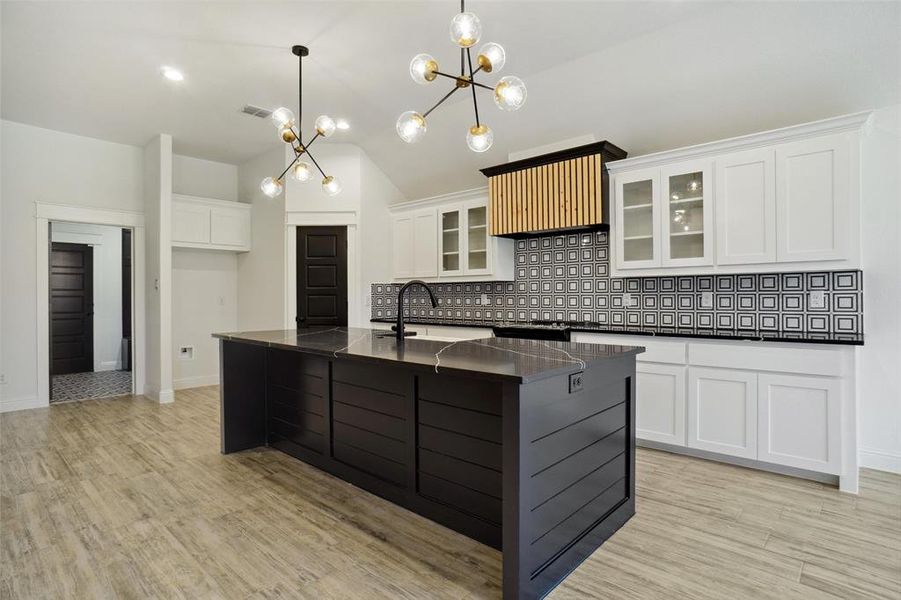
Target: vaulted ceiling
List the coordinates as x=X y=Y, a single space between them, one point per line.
x=645 y=75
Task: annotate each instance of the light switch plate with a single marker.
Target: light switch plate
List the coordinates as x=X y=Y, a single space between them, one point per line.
x=186 y=353
x=817 y=299
x=706 y=299
x=576 y=382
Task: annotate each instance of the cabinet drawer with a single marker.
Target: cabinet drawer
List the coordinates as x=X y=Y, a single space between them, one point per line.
x=811 y=361
x=656 y=350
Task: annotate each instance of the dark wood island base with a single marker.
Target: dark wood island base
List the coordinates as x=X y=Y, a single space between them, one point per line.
x=524 y=445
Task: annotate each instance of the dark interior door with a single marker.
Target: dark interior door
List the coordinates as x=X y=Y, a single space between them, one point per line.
x=126 y=299
x=71 y=308
x=321 y=276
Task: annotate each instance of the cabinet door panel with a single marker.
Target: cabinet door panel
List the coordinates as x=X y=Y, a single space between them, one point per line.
x=425 y=244
x=660 y=404
x=403 y=246
x=746 y=208
x=637 y=219
x=451 y=251
x=800 y=421
x=722 y=411
x=813 y=199
x=686 y=215
x=190 y=223
x=229 y=227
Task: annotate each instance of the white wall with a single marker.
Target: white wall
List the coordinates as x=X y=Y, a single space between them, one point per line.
x=85 y=172
x=106 y=243
x=261 y=272
x=205 y=292
x=205 y=178
x=204 y=282
x=879 y=369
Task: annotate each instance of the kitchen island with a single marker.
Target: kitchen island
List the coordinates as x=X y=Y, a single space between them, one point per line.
x=525 y=445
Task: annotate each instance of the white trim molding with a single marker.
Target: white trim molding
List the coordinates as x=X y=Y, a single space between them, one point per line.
x=185 y=383
x=462 y=195
x=44 y=214
x=26 y=403
x=880 y=460
x=852 y=122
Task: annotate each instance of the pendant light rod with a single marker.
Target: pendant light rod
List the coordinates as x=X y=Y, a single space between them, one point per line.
x=475 y=103
x=440 y=102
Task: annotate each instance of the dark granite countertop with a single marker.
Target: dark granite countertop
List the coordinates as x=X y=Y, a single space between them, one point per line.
x=495 y=358
x=800 y=337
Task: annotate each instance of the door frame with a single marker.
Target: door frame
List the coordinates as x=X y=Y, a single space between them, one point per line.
x=88 y=251
x=293 y=220
x=44 y=214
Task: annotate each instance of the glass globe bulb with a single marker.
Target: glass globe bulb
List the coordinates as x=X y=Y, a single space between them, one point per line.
x=331 y=186
x=492 y=57
x=510 y=93
x=465 y=29
x=325 y=125
x=411 y=126
x=282 y=117
x=302 y=171
x=271 y=187
x=422 y=68
x=287 y=135
x=479 y=138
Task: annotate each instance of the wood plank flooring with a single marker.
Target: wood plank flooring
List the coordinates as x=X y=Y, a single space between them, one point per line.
x=124 y=498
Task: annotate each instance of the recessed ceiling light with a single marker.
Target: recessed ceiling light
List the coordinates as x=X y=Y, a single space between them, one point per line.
x=172 y=74
x=342 y=124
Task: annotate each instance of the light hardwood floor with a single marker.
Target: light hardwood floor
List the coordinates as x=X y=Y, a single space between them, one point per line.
x=129 y=499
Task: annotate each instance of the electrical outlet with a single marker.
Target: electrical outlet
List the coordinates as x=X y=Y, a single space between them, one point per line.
x=576 y=382
x=484 y=299
x=817 y=299
x=706 y=299
x=186 y=353
x=627 y=299
x=3 y=379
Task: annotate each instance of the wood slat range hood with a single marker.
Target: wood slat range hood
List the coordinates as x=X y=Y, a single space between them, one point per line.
x=560 y=191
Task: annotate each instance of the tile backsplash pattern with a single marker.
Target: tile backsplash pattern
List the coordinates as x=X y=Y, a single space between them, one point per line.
x=567 y=278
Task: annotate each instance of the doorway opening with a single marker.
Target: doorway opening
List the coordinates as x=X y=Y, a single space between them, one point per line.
x=90 y=316
x=321 y=276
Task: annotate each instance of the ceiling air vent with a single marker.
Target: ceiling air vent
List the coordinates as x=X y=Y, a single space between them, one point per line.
x=256 y=111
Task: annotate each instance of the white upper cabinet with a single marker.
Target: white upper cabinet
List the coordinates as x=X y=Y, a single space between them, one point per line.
x=767 y=199
x=686 y=231
x=449 y=241
x=746 y=207
x=210 y=224
x=425 y=240
x=637 y=214
x=813 y=199
x=403 y=246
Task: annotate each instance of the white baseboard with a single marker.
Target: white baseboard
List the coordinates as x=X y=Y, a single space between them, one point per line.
x=880 y=460
x=26 y=403
x=185 y=383
x=166 y=396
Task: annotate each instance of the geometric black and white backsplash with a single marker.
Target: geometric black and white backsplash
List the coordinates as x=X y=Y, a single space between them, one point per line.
x=567 y=278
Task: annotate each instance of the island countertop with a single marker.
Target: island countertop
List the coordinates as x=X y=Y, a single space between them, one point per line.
x=518 y=360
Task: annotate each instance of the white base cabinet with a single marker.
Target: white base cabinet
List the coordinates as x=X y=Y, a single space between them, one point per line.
x=800 y=421
x=769 y=405
x=660 y=409
x=722 y=411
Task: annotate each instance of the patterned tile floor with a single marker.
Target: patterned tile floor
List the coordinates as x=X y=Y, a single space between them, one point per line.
x=81 y=386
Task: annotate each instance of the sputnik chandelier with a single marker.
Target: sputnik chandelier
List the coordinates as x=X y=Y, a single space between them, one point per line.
x=509 y=92
x=289 y=131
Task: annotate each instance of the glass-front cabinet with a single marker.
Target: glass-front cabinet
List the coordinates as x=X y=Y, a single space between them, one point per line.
x=463 y=239
x=638 y=244
x=664 y=217
x=687 y=230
